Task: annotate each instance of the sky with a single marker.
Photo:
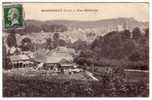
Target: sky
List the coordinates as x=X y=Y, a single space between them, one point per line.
x=85 y=11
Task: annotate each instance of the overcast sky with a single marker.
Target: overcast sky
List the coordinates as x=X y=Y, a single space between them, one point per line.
x=98 y=11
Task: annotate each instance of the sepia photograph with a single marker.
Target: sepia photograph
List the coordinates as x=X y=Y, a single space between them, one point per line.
x=73 y=49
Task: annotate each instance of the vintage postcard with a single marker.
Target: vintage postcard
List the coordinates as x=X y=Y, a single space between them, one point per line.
x=74 y=49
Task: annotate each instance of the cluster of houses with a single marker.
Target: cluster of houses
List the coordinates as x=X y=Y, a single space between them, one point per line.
x=59 y=59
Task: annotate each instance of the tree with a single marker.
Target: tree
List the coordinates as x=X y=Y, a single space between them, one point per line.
x=26 y=44
x=56 y=36
x=126 y=34
x=11 y=39
x=96 y=43
x=114 y=45
x=62 y=42
x=136 y=33
x=79 y=45
x=50 y=44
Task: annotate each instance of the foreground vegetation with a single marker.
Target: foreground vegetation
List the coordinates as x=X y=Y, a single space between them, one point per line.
x=113 y=83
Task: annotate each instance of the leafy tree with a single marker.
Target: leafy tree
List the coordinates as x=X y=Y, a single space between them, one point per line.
x=26 y=44
x=62 y=42
x=56 y=36
x=125 y=34
x=96 y=43
x=80 y=45
x=49 y=44
x=11 y=39
x=136 y=33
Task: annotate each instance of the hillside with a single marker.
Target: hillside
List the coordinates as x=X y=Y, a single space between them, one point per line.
x=117 y=48
x=101 y=26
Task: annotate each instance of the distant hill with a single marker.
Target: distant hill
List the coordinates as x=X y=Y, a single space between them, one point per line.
x=100 y=23
x=105 y=23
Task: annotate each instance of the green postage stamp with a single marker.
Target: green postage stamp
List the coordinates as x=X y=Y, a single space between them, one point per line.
x=13 y=16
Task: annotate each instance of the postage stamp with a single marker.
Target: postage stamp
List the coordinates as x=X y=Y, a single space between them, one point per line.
x=13 y=16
